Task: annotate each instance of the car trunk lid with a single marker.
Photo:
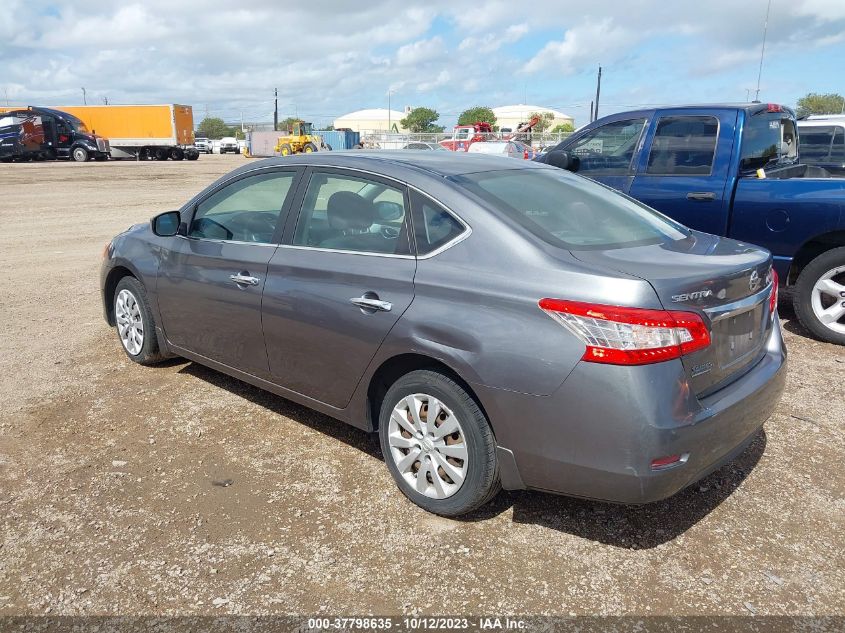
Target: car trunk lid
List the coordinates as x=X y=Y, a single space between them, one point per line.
x=726 y=281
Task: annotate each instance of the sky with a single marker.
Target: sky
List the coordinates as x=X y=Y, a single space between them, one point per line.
x=330 y=57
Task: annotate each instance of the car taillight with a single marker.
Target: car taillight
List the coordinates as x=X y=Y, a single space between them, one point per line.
x=629 y=336
x=773 y=298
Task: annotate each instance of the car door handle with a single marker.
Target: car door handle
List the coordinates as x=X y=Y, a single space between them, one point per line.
x=369 y=303
x=701 y=195
x=244 y=279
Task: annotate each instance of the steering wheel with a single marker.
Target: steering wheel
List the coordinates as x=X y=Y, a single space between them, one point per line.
x=256 y=226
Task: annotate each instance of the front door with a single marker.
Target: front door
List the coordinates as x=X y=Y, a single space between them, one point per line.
x=606 y=153
x=683 y=172
x=339 y=283
x=211 y=281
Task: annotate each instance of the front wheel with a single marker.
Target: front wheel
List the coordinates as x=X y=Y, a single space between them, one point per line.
x=309 y=147
x=79 y=154
x=437 y=444
x=819 y=298
x=135 y=323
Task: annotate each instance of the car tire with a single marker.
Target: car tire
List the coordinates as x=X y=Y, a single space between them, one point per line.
x=131 y=314
x=474 y=478
x=79 y=154
x=812 y=296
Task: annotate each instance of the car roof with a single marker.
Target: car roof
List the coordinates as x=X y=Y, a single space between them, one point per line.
x=821 y=123
x=444 y=164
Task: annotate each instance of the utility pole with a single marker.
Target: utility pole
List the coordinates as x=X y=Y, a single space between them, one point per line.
x=598 y=94
x=275 y=109
x=84 y=98
x=105 y=100
x=763 y=50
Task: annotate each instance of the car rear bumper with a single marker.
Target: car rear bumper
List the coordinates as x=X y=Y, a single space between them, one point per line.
x=597 y=435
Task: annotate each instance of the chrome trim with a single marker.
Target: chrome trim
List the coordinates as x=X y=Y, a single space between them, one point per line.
x=738 y=307
x=206 y=239
x=454 y=241
x=337 y=250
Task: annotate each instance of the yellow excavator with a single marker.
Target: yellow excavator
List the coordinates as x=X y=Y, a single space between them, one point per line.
x=300 y=138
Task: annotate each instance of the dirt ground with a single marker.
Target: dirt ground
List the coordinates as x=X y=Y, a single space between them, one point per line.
x=178 y=490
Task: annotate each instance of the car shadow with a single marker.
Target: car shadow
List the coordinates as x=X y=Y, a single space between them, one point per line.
x=365 y=442
x=630 y=527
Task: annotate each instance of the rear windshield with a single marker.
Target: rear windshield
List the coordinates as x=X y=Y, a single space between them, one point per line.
x=765 y=139
x=569 y=211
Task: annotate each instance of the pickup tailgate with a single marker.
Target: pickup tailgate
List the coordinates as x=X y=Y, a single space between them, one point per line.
x=725 y=281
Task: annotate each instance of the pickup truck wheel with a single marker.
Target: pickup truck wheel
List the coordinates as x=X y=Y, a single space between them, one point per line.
x=134 y=322
x=437 y=444
x=79 y=154
x=819 y=298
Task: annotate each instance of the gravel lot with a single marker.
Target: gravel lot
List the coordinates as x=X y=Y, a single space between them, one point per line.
x=178 y=490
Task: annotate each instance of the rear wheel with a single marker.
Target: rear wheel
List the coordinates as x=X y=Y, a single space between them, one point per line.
x=437 y=444
x=160 y=153
x=79 y=154
x=309 y=147
x=819 y=298
x=285 y=150
x=176 y=153
x=135 y=323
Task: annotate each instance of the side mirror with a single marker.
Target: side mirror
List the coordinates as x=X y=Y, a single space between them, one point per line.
x=563 y=160
x=166 y=224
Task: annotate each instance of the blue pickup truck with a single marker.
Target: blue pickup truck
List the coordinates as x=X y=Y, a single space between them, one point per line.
x=732 y=170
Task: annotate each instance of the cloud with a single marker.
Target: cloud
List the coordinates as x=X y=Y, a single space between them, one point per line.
x=420 y=52
x=494 y=41
x=590 y=42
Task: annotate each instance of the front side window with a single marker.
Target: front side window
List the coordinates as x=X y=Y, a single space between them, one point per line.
x=571 y=212
x=247 y=210
x=434 y=226
x=683 y=146
x=609 y=149
x=353 y=213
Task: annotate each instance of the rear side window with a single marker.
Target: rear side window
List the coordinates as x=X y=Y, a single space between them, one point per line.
x=434 y=226
x=348 y=212
x=571 y=212
x=822 y=144
x=683 y=146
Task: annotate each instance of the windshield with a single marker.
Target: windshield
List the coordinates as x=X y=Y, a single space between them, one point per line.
x=569 y=211
x=762 y=140
x=77 y=125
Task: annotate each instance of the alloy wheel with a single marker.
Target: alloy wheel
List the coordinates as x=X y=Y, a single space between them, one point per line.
x=828 y=299
x=130 y=323
x=428 y=446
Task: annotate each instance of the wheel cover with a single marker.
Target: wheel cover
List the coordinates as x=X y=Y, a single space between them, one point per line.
x=828 y=299
x=130 y=323
x=428 y=446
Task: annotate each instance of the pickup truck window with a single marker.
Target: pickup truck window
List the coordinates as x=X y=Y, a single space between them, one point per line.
x=608 y=150
x=822 y=144
x=569 y=212
x=683 y=146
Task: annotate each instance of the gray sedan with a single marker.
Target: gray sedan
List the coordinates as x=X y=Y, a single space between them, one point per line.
x=511 y=326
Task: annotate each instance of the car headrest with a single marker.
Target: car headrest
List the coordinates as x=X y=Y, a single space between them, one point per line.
x=348 y=210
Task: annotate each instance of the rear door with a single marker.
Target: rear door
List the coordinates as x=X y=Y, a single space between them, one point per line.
x=340 y=281
x=683 y=168
x=210 y=281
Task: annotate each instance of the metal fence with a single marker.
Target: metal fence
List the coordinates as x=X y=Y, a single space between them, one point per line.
x=374 y=139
